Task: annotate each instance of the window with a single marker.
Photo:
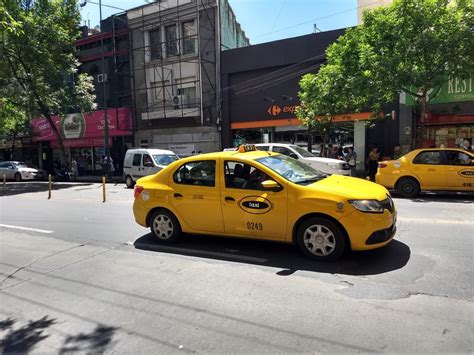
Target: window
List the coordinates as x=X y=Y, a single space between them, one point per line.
x=285 y=151
x=189 y=37
x=165 y=159
x=147 y=161
x=200 y=173
x=155 y=44
x=243 y=176
x=171 y=41
x=428 y=157
x=137 y=159
x=263 y=147
x=458 y=158
x=188 y=96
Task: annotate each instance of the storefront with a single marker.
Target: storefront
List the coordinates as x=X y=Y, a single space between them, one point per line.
x=83 y=139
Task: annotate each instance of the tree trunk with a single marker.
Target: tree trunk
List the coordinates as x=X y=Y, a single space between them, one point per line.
x=423 y=104
x=59 y=138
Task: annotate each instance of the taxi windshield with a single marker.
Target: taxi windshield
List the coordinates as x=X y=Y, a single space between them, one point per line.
x=291 y=169
x=164 y=159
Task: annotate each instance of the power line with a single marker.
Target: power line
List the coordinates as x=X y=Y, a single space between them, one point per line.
x=279 y=14
x=314 y=20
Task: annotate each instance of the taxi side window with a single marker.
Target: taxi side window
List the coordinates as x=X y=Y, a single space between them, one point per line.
x=197 y=173
x=429 y=157
x=263 y=147
x=137 y=159
x=243 y=176
x=458 y=158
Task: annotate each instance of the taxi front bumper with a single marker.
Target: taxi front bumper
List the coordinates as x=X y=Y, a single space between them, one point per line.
x=370 y=230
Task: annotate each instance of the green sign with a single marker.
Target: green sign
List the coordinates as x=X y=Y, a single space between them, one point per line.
x=453 y=90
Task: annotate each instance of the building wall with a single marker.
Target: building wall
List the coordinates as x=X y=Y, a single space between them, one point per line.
x=232 y=35
x=164 y=82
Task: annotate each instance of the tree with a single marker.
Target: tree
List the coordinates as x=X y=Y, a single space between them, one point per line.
x=38 y=67
x=410 y=46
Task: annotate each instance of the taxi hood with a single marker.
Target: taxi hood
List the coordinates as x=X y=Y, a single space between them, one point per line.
x=351 y=188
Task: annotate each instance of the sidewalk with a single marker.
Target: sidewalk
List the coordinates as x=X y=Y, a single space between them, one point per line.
x=112 y=179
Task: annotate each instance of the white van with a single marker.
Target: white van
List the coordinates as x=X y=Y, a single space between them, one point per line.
x=326 y=165
x=143 y=162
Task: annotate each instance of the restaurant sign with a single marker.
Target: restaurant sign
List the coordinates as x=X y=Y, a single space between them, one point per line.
x=455 y=89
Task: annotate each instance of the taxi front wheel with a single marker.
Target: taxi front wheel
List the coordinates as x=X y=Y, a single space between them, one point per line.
x=165 y=226
x=321 y=239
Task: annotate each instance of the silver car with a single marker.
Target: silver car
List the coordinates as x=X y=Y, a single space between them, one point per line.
x=18 y=171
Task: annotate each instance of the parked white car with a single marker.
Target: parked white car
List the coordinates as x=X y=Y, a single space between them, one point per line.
x=18 y=171
x=326 y=165
x=143 y=162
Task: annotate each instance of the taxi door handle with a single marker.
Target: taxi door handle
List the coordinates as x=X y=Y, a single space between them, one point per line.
x=177 y=195
x=229 y=199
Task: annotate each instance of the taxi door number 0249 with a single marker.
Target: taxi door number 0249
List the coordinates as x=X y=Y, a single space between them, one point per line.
x=254 y=226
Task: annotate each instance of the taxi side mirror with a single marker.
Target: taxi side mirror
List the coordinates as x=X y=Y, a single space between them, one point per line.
x=270 y=185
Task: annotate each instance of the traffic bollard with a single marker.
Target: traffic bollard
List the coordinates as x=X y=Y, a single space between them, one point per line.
x=49 y=186
x=4 y=184
x=103 y=188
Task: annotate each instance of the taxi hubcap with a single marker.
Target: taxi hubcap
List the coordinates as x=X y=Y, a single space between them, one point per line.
x=163 y=227
x=319 y=240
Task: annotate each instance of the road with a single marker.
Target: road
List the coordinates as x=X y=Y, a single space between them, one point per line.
x=80 y=275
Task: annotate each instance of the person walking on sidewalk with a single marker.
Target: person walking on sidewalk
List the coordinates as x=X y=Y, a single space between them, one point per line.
x=351 y=159
x=373 y=163
x=74 y=169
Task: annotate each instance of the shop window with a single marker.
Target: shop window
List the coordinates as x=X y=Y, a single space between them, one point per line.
x=187 y=96
x=458 y=158
x=243 y=176
x=428 y=157
x=201 y=173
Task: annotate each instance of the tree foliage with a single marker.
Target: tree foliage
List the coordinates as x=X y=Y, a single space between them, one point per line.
x=409 y=46
x=38 y=67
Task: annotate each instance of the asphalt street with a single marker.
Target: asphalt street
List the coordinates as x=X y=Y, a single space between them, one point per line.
x=78 y=275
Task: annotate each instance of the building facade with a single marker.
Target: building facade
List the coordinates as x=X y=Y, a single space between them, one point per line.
x=175 y=65
x=105 y=56
x=260 y=95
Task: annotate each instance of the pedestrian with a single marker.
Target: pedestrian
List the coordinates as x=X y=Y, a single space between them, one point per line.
x=373 y=162
x=466 y=145
x=111 y=166
x=74 y=170
x=351 y=159
x=334 y=152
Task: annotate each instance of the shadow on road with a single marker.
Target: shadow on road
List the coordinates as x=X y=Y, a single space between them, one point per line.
x=17 y=188
x=448 y=197
x=95 y=342
x=24 y=339
x=286 y=257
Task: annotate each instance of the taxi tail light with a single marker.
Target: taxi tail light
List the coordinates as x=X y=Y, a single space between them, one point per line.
x=138 y=190
x=382 y=165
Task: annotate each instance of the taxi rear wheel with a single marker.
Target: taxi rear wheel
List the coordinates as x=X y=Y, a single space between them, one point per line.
x=407 y=187
x=321 y=239
x=165 y=226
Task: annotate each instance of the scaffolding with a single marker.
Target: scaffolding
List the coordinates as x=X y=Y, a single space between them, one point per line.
x=174 y=52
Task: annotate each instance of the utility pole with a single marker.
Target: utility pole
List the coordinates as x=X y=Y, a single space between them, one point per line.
x=104 y=92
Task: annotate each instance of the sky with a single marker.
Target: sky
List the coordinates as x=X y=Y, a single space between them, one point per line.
x=262 y=20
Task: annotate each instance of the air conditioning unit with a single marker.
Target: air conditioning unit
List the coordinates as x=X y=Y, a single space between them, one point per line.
x=178 y=101
x=101 y=78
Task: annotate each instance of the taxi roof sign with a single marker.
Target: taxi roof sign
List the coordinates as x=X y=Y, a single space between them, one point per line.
x=247 y=148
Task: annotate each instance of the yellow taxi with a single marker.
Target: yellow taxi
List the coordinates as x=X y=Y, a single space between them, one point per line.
x=263 y=195
x=428 y=169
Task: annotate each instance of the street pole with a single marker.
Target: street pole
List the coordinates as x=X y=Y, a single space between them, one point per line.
x=104 y=104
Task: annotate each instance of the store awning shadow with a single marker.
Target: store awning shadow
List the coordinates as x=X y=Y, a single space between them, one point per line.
x=282 y=256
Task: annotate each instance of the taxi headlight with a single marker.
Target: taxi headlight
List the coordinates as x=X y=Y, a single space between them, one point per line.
x=336 y=166
x=369 y=206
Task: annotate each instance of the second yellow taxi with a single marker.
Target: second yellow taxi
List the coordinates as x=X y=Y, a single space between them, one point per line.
x=429 y=169
x=263 y=195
